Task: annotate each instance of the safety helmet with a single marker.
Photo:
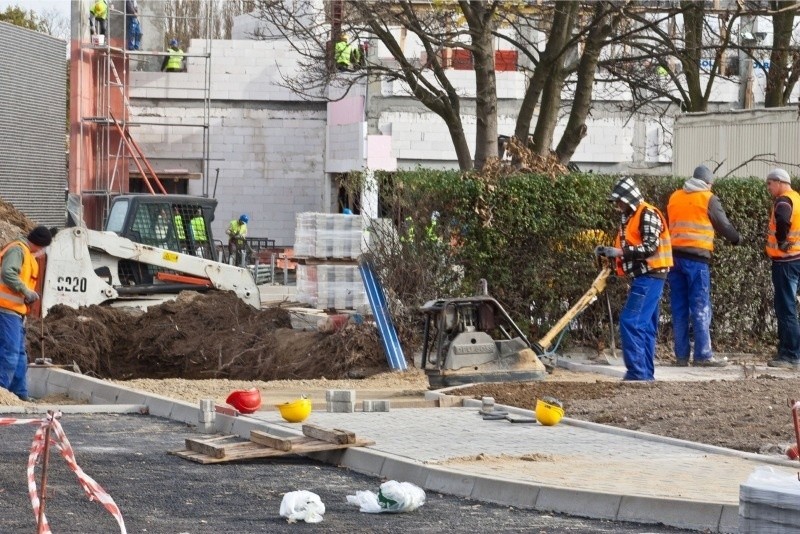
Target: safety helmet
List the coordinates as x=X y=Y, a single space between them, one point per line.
x=173 y=42
x=548 y=411
x=246 y=401
x=296 y=411
x=244 y=218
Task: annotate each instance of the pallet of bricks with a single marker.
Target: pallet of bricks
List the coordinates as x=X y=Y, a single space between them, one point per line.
x=327 y=248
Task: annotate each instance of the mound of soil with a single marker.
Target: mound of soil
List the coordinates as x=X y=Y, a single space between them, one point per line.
x=13 y=223
x=198 y=336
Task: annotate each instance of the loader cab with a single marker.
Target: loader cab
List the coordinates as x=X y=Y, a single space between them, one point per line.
x=174 y=222
x=179 y=223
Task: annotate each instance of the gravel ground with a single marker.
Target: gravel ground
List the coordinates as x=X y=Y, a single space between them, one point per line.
x=161 y=493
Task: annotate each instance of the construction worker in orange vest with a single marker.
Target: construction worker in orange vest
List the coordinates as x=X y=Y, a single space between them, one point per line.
x=19 y=272
x=695 y=214
x=643 y=252
x=783 y=248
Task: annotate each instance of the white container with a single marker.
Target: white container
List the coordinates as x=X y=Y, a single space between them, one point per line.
x=98 y=39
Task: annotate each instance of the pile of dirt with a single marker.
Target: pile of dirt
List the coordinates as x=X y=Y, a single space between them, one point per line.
x=199 y=336
x=13 y=223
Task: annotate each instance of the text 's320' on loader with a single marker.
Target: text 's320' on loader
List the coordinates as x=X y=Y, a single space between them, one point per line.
x=473 y=339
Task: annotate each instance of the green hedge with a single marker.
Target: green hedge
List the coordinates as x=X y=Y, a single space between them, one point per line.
x=532 y=238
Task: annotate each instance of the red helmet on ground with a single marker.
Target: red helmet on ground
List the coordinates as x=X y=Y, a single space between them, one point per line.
x=246 y=401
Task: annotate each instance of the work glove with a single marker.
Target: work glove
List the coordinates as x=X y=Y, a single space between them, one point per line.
x=30 y=296
x=783 y=245
x=608 y=252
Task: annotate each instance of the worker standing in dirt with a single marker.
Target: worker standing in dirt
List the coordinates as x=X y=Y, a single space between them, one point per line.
x=643 y=252
x=695 y=214
x=783 y=248
x=237 y=234
x=19 y=272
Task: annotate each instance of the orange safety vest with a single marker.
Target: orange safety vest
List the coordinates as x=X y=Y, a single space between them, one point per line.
x=689 y=224
x=10 y=299
x=792 y=237
x=663 y=255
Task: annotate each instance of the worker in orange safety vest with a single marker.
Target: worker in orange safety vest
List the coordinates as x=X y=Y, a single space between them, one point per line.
x=695 y=214
x=643 y=252
x=19 y=272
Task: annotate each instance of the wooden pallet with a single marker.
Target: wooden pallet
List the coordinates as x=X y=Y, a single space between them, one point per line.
x=219 y=449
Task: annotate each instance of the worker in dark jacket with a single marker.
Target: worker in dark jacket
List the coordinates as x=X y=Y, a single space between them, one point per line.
x=643 y=252
x=695 y=214
x=783 y=248
x=19 y=272
x=174 y=62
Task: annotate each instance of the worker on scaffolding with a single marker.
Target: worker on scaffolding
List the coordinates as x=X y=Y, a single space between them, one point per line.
x=175 y=60
x=98 y=15
x=132 y=26
x=343 y=52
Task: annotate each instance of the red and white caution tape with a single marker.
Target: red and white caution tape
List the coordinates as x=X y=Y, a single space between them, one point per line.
x=59 y=440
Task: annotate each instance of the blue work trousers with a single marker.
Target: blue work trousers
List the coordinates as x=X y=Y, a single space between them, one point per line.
x=690 y=301
x=785 y=276
x=638 y=324
x=134 y=30
x=13 y=358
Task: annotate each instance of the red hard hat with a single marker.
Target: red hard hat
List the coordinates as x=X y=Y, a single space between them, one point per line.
x=246 y=401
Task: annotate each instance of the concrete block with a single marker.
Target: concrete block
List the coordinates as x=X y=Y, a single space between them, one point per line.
x=341 y=407
x=103 y=394
x=160 y=407
x=402 y=470
x=581 y=503
x=340 y=395
x=184 y=412
x=504 y=492
x=375 y=406
x=681 y=514
x=362 y=460
x=449 y=482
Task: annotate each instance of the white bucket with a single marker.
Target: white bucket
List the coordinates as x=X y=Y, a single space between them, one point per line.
x=98 y=39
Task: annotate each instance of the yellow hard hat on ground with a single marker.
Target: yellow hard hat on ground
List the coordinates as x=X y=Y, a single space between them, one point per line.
x=548 y=412
x=295 y=411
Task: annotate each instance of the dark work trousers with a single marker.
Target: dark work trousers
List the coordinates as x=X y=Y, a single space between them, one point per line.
x=785 y=277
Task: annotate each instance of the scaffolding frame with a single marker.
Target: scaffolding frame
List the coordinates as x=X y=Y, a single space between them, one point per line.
x=107 y=148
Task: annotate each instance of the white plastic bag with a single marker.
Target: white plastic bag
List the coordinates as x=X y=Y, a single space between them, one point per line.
x=302 y=505
x=392 y=496
x=767 y=477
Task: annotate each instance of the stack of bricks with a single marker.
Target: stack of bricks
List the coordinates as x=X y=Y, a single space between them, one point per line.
x=341 y=400
x=327 y=248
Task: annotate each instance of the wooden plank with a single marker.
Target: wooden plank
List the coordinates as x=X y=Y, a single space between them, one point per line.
x=268 y=440
x=335 y=436
x=211 y=447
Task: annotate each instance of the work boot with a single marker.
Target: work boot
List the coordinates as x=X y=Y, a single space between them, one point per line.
x=710 y=362
x=793 y=365
x=681 y=362
x=26 y=398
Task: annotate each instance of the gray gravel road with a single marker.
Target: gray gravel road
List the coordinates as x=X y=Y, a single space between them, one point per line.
x=163 y=494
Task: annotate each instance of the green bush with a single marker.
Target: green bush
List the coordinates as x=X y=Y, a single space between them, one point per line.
x=532 y=238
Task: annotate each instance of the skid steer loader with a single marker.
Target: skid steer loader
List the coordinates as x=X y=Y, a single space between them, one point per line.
x=473 y=339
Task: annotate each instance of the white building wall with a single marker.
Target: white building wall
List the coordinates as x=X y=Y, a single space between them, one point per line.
x=267 y=142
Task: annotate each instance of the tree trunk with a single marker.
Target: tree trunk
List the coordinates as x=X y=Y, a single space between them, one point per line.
x=602 y=27
x=463 y=154
x=564 y=14
x=479 y=19
x=693 y=15
x=782 y=25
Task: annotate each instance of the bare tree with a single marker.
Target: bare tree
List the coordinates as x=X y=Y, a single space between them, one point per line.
x=784 y=68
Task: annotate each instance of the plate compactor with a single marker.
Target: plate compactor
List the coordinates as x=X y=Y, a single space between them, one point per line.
x=472 y=339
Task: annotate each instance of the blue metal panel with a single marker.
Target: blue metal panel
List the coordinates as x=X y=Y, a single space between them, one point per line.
x=386 y=329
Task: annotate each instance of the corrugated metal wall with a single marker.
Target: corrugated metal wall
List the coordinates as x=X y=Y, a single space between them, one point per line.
x=33 y=81
x=745 y=142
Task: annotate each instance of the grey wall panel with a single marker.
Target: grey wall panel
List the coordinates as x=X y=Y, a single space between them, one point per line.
x=744 y=142
x=33 y=173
